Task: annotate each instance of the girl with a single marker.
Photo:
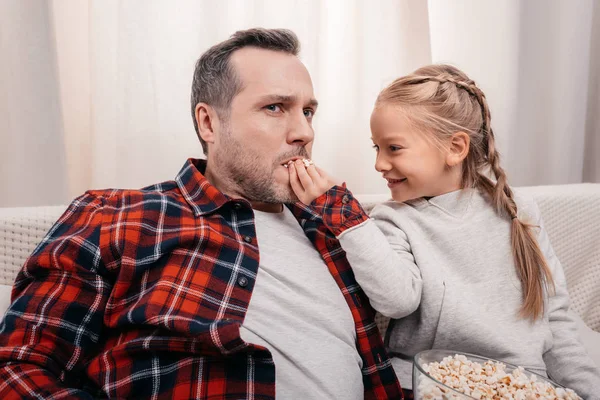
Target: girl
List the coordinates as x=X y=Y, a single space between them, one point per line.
x=469 y=266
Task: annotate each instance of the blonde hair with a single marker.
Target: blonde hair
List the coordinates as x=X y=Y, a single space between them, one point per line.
x=442 y=100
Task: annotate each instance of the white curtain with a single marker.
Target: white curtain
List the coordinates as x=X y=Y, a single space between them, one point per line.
x=95 y=94
x=32 y=146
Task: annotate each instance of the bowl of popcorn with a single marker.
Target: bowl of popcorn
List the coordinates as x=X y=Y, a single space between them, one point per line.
x=446 y=374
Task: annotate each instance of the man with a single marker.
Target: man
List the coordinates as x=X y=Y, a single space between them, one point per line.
x=205 y=286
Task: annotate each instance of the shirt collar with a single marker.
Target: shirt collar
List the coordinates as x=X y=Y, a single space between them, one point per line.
x=200 y=194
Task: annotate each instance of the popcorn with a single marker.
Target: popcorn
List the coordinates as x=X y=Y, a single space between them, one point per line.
x=489 y=381
x=306 y=162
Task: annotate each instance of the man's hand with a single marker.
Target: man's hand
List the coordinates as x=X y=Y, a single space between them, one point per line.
x=308 y=182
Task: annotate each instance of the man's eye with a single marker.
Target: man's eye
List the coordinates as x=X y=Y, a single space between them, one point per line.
x=309 y=112
x=274 y=107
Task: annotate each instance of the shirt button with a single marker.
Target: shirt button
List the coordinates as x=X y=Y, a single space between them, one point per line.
x=237 y=206
x=345 y=199
x=247 y=239
x=242 y=281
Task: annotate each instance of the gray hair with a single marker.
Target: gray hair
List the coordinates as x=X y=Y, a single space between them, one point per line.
x=215 y=80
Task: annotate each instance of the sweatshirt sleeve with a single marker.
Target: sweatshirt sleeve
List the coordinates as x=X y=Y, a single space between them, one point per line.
x=379 y=253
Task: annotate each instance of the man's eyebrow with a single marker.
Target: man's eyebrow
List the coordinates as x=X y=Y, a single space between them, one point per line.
x=281 y=98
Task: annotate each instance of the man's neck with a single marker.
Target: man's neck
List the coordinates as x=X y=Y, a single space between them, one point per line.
x=267 y=207
x=236 y=194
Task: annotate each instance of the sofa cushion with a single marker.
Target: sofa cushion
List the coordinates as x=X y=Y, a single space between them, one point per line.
x=21 y=229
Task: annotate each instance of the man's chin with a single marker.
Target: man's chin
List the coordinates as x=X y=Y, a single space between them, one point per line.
x=283 y=194
x=288 y=197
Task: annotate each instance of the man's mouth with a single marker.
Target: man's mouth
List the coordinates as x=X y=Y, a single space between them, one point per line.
x=306 y=161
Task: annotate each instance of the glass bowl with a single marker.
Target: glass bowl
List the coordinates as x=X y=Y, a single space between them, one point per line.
x=427 y=387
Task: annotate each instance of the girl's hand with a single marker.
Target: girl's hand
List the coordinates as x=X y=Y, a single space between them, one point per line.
x=308 y=182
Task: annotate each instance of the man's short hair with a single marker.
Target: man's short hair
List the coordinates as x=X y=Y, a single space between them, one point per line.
x=215 y=80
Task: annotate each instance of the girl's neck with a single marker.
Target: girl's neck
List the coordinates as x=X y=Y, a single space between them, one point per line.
x=451 y=182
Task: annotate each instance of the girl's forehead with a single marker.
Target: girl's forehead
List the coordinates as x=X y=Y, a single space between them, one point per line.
x=386 y=116
x=391 y=123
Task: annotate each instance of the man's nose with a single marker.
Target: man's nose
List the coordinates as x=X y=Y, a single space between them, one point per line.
x=300 y=131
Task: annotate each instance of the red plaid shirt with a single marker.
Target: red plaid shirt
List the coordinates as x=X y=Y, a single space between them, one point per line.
x=141 y=294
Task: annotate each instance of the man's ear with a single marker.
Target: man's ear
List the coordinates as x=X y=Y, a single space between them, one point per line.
x=458 y=148
x=208 y=122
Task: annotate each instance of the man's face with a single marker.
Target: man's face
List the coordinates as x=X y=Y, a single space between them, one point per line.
x=270 y=122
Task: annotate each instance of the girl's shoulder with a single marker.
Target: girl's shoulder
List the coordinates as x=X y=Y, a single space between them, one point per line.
x=390 y=208
x=398 y=214
x=527 y=207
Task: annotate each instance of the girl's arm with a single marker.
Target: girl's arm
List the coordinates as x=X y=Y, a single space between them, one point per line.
x=377 y=249
x=386 y=271
x=567 y=361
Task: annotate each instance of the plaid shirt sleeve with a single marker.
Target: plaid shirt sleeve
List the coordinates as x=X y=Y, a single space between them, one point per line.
x=57 y=309
x=339 y=209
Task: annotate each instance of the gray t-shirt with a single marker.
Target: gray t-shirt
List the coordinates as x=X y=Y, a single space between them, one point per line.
x=299 y=314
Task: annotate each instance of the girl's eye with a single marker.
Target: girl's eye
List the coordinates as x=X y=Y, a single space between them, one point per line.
x=376 y=147
x=395 y=148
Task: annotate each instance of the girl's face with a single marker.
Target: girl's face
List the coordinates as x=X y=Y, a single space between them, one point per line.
x=411 y=162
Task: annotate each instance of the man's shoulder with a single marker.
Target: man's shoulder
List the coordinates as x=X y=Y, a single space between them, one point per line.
x=157 y=190
x=159 y=195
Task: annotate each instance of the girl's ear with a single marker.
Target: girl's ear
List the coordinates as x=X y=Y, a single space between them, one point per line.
x=458 y=148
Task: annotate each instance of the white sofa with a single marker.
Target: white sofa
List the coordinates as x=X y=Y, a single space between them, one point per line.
x=571 y=214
